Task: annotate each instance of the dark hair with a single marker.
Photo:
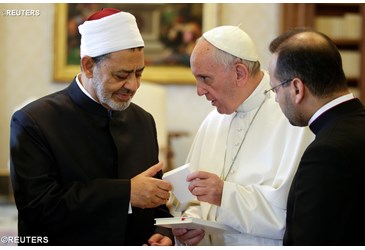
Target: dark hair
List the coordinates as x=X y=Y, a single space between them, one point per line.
x=98 y=59
x=314 y=59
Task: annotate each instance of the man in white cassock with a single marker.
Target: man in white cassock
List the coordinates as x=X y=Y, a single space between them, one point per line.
x=245 y=153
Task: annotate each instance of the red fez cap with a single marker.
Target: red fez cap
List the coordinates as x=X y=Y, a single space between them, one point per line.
x=103 y=13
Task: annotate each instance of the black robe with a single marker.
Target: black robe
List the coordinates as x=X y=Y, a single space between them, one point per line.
x=71 y=165
x=326 y=201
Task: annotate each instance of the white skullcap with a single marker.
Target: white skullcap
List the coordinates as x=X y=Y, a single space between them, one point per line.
x=234 y=41
x=111 y=31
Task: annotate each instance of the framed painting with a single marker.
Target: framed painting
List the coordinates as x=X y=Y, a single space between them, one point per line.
x=168 y=29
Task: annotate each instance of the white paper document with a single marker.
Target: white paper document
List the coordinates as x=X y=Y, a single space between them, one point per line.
x=180 y=187
x=209 y=227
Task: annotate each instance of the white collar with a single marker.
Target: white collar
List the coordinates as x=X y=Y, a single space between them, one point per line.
x=83 y=89
x=329 y=105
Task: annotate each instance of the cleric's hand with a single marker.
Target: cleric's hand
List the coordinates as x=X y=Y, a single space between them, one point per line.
x=147 y=191
x=159 y=240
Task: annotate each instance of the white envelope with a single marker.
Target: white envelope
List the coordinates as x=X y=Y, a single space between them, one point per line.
x=177 y=177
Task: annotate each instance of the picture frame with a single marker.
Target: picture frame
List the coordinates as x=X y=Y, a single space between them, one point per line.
x=158 y=69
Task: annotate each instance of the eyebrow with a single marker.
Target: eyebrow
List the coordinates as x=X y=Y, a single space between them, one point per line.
x=201 y=75
x=129 y=71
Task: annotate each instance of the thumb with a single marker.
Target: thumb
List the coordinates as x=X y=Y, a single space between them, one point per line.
x=152 y=171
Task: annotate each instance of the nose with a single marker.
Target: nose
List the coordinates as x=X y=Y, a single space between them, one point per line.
x=200 y=90
x=132 y=83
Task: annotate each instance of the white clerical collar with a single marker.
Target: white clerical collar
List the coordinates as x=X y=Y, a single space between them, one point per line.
x=257 y=96
x=83 y=89
x=329 y=105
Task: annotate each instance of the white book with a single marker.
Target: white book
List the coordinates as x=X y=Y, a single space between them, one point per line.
x=180 y=187
x=210 y=227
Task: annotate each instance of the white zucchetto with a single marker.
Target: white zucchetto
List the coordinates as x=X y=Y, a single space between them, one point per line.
x=234 y=41
x=107 y=31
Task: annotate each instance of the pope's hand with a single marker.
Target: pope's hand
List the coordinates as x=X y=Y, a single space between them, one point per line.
x=206 y=187
x=189 y=237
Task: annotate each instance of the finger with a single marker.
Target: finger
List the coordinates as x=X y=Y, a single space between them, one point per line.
x=193 y=236
x=196 y=183
x=152 y=171
x=203 y=198
x=164 y=241
x=197 y=191
x=204 y=175
x=164 y=185
x=192 y=176
x=155 y=238
x=194 y=241
x=198 y=175
x=163 y=195
x=156 y=202
x=179 y=231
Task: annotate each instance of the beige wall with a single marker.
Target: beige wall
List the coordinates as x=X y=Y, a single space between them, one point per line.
x=26 y=46
x=26 y=62
x=3 y=101
x=260 y=21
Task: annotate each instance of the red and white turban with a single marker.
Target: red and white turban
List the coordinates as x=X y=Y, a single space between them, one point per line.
x=107 y=31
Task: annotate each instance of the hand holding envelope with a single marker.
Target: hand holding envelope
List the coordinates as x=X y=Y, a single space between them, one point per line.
x=184 y=227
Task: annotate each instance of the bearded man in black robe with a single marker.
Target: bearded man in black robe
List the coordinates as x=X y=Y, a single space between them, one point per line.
x=84 y=160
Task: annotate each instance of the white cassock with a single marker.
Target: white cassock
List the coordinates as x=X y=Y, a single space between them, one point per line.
x=256 y=186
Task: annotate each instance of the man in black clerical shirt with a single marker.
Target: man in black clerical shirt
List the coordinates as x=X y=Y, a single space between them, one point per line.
x=326 y=201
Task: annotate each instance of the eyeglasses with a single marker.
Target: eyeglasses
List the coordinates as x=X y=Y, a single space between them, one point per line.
x=273 y=89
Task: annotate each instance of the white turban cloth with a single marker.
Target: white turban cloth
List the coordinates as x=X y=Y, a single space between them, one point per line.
x=109 y=34
x=234 y=41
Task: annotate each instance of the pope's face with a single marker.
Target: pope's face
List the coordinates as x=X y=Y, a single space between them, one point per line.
x=117 y=78
x=213 y=80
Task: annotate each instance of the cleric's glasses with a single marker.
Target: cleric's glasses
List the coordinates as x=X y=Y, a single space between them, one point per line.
x=273 y=89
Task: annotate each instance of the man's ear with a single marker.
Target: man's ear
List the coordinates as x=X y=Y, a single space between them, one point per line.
x=299 y=90
x=87 y=64
x=241 y=73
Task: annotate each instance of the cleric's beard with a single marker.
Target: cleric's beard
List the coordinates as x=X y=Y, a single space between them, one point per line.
x=105 y=97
